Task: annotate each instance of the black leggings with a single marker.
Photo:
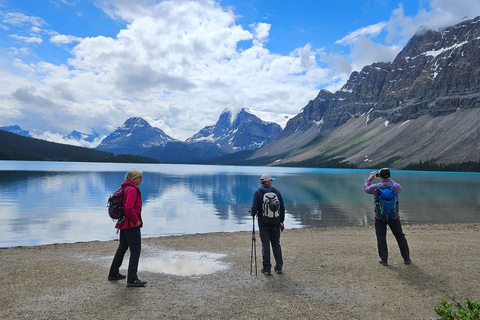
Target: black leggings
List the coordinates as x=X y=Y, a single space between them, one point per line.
x=381 y=231
x=128 y=238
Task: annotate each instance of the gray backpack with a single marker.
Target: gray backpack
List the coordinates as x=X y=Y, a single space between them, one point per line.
x=270 y=206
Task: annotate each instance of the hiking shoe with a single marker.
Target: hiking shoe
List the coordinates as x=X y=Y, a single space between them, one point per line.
x=137 y=283
x=278 y=271
x=383 y=262
x=407 y=261
x=117 y=277
x=266 y=272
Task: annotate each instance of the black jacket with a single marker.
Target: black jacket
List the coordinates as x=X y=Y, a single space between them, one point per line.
x=257 y=205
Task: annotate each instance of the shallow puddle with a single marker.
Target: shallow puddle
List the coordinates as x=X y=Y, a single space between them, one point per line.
x=182 y=263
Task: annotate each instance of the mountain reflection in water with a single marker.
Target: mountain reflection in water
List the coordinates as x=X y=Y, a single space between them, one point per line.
x=52 y=202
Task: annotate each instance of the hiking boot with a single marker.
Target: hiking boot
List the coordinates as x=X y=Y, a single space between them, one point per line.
x=277 y=270
x=137 y=283
x=266 y=272
x=407 y=261
x=117 y=277
x=383 y=262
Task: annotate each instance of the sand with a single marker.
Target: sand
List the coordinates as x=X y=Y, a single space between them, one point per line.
x=329 y=273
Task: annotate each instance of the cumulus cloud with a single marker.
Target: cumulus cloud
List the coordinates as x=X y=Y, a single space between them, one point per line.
x=261 y=33
x=176 y=63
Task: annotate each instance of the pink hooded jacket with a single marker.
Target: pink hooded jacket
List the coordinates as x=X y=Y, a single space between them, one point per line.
x=132 y=201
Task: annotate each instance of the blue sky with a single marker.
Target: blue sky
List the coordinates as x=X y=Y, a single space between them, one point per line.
x=90 y=65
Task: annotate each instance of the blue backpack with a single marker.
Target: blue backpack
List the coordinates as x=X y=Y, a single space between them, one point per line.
x=387 y=205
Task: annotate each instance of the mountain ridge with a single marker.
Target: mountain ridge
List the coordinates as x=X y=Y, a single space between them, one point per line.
x=435 y=75
x=135 y=136
x=230 y=134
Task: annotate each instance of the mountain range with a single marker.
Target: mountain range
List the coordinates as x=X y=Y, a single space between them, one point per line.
x=423 y=106
x=231 y=133
x=74 y=135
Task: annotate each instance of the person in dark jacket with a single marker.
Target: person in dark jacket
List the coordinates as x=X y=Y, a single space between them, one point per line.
x=381 y=223
x=270 y=229
x=130 y=236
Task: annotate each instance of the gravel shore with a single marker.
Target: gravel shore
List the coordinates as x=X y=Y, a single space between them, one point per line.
x=329 y=273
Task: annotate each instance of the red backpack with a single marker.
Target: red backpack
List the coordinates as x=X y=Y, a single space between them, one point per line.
x=116 y=210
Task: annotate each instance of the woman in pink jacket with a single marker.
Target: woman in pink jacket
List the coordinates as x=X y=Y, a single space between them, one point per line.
x=130 y=236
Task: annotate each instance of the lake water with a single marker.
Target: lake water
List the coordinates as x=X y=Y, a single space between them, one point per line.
x=59 y=202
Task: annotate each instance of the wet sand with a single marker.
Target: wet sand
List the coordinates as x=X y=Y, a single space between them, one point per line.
x=329 y=273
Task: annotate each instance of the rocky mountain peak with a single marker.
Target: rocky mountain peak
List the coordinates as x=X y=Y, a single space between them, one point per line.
x=245 y=131
x=134 y=137
x=135 y=122
x=429 y=42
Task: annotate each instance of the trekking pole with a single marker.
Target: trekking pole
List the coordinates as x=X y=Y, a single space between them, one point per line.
x=253 y=251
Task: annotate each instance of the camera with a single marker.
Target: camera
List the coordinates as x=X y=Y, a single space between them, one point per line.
x=377 y=174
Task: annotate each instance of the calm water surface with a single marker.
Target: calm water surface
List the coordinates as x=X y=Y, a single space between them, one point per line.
x=57 y=202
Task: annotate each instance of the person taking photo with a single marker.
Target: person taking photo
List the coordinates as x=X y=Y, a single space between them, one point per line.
x=386 y=212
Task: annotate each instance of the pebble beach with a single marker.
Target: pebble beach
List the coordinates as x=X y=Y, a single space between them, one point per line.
x=329 y=273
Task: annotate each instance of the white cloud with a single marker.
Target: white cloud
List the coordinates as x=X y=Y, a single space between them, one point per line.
x=64 y=39
x=362 y=33
x=58 y=138
x=20 y=19
x=27 y=39
x=366 y=52
x=19 y=51
x=261 y=33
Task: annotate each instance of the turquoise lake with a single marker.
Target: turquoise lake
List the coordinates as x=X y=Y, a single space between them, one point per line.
x=61 y=202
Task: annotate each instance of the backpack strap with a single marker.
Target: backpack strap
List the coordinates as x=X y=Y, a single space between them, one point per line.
x=379 y=186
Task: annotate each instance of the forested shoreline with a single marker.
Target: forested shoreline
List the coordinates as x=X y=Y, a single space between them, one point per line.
x=20 y=148
x=17 y=147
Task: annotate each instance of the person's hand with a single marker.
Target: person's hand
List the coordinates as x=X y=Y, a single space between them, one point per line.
x=138 y=223
x=373 y=175
x=282 y=226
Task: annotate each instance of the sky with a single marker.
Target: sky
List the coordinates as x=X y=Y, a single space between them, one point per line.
x=89 y=65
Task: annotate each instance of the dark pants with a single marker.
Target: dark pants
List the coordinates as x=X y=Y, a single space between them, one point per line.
x=381 y=231
x=128 y=238
x=271 y=235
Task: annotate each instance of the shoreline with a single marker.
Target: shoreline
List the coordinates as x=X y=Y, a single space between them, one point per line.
x=330 y=272
x=438 y=226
